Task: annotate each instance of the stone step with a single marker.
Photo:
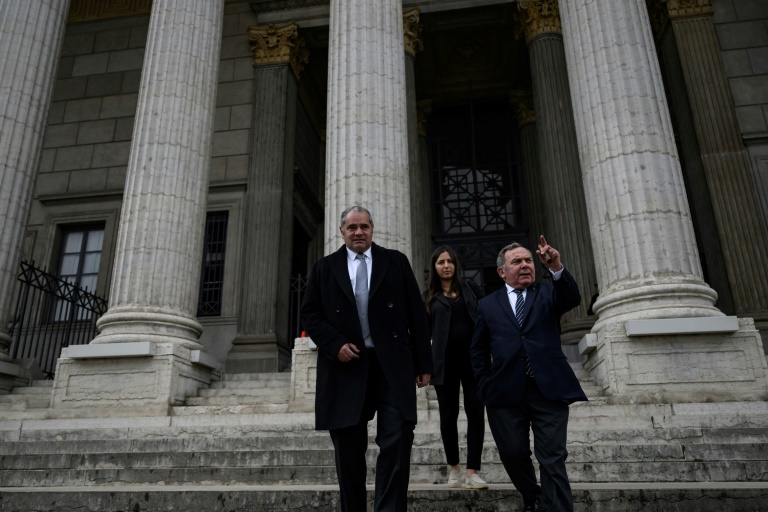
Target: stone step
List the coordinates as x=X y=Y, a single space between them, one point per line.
x=280 y=376
x=245 y=399
x=281 y=394
x=264 y=383
x=25 y=401
x=33 y=390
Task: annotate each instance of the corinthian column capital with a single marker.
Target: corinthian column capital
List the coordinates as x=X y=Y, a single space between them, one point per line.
x=412 y=31
x=274 y=45
x=685 y=8
x=539 y=17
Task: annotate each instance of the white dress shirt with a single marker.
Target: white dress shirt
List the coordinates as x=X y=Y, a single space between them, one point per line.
x=352 y=264
x=513 y=297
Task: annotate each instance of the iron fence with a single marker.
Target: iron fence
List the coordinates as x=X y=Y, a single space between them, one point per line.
x=298 y=287
x=51 y=314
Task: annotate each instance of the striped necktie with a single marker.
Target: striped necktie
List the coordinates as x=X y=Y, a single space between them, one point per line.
x=519 y=307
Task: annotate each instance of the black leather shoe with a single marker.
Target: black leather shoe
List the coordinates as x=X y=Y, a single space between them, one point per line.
x=534 y=507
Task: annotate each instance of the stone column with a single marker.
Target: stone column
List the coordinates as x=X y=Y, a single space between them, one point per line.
x=155 y=286
x=367 y=150
x=421 y=245
x=526 y=122
x=261 y=344
x=31 y=33
x=565 y=212
x=658 y=334
x=423 y=110
x=724 y=157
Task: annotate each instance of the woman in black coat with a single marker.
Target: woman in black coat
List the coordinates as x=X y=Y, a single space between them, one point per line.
x=451 y=304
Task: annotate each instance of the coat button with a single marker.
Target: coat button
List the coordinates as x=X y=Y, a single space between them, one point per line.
x=522 y=337
x=394 y=335
x=390 y=305
x=338 y=309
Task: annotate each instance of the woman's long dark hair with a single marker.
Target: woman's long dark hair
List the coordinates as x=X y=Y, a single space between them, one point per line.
x=435 y=286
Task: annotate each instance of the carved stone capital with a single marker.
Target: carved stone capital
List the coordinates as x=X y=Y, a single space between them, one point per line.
x=522 y=101
x=276 y=45
x=423 y=109
x=412 y=31
x=538 y=17
x=685 y=8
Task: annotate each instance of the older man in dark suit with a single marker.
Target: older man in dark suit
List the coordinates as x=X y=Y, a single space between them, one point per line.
x=364 y=311
x=524 y=379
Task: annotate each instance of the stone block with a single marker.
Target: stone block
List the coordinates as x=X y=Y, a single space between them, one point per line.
x=78 y=44
x=240 y=117
x=758 y=58
x=91 y=132
x=82 y=110
x=51 y=183
x=231 y=25
x=65 y=67
x=233 y=142
x=124 y=128
x=122 y=105
x=157 y=381
x=89 y=180
x=138 y=37
x=751 y=34
x=92 y=64
x=751 y=9
x=69 y=89
x=234 y=93
x=104 y=85
x=235 y=46
x=751 y=90
x=218 y=171
x=116 y=178
x=303 y=375
x=56 y=112
x=70 y=158
x=226 y=70
x=126 y=60
x=243 y=68
x=47 y=158
x=112 y=40
x=59 y=135
x=221 y=119
x=111 y=154
x=131 y=81
x=751 y=119
x=237 y=167
x=736 y=63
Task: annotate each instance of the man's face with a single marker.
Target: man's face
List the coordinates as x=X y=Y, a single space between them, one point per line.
x=357 y=231
x=518 y=270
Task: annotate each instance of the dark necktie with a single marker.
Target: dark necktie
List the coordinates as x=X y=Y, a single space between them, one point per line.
x=361 y=294
x=519 y=307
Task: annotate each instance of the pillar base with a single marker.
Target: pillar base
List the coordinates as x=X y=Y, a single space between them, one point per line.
x=116 y=378
x=303 y=375
x=258 y=353
x=710 y=359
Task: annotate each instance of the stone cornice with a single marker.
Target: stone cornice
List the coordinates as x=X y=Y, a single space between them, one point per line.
x=271 y=44
x=538 y=17
x=522 y=101
x=412 y=31
x=423 y=109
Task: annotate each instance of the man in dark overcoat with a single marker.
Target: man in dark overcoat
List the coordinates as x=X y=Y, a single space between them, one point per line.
x=364 y=312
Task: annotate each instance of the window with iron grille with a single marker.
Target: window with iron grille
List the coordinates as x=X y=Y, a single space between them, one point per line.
x=78 y=264
x=212 y=272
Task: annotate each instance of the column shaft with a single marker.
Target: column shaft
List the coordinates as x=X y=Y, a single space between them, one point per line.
x=154 y=286
x=31 y=34
x=645 y=251
x=738 y=217
x=367 y=146
x=565 y=212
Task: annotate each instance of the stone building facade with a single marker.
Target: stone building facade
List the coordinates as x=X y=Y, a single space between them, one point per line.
x=633 y=134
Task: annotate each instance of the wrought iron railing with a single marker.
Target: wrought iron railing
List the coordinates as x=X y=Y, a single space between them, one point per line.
x=51 y=314
x=298 y=287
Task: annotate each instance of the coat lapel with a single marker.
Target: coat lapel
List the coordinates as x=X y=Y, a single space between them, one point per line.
x=530 y=297
x=341 y=272
x=503 y=299
x=380 y=264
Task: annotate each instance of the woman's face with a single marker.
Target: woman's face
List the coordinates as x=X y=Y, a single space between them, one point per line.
x=445 y=267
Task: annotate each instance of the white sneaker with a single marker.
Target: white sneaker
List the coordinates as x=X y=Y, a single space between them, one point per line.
x=454 y=478
x=475 y=482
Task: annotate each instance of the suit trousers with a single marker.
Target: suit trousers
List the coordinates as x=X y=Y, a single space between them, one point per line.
x=394 y=437
x=549 y=421
x=458 y=371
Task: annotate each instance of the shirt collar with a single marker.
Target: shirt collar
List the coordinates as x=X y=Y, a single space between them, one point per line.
x=512 y=290
x=352 y=255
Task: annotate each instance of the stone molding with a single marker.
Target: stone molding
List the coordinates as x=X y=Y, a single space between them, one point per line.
x=423 y=109
x=89 y=10
x=538 y=17
x=412 y=31
x=272 y=44
x=523 y=103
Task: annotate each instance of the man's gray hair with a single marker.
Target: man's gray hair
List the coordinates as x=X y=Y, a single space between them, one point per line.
x=503 y=251
x=358 y=209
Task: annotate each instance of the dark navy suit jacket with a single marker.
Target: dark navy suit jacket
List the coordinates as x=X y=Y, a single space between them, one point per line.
x=499 y=344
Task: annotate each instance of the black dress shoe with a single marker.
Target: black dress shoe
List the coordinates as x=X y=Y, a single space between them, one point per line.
x=533 y=507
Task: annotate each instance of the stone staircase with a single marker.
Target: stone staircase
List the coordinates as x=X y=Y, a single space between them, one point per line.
x=27 y=402
x=237 y=447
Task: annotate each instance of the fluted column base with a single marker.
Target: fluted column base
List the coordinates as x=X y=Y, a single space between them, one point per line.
x=676 y=367
x=125 y=324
